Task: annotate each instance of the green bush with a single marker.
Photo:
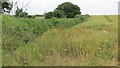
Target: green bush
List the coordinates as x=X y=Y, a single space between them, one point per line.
x=19 y=13
x=87 y=15
x=31 y=16
x=49 y=15
x=82 y=17
x=59 y=14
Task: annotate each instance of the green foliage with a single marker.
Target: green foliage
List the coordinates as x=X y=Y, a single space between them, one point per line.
x=33 y=27
x=59 y=14
x=49 y=15
x=31 y=16
x=66 y=9
x=58 y=41
x=6 y=7
x=19 y=13
x=69 y=9
x=82 y=17
x=54 y=23
x=87 y=15
x=17 y=33
x=63 y=22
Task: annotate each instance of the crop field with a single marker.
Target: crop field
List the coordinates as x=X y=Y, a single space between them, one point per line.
x=60 y=42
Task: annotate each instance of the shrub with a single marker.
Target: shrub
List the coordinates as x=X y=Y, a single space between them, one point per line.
x=56 y=13
x=87 y=15
x=19 y=13
x=49 y=15
x=82 y=17
x=59 y=14
x=31 y=16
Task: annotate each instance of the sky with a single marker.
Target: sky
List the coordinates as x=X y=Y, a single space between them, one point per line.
x=91 y=7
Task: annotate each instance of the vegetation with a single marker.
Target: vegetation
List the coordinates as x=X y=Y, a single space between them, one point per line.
x=19 y=13
x=82 y=17
x=69 y=9
x=60 y=41
x=6 y=7
x=59 y=14
x=22 y=28
x=49 y=15
x=66 y=9
x=64 y=37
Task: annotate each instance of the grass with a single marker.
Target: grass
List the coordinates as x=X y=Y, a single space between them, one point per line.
x=64 y=42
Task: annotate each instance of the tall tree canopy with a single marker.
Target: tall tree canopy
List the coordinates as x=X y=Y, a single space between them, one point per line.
x=69 y=9
x=6 y=6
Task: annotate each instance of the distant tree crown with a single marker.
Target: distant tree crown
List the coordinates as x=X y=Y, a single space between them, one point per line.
x=69 y=9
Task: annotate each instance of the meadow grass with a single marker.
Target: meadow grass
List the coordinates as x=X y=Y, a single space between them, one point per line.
x=64 y=42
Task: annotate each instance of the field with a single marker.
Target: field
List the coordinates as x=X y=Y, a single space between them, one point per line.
x=64 y=42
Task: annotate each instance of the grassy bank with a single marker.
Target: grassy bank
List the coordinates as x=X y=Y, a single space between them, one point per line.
x=72 y=42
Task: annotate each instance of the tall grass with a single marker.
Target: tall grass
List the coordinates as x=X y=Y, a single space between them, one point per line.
x=26 y=30
x=39 y=42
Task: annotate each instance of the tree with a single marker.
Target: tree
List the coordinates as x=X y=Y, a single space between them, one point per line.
x=49 y=15
x=6 y=7
x=19 y=13
x=69 y=9
x=59 y=14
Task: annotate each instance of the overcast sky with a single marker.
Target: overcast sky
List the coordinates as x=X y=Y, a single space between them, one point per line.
x=92 y=7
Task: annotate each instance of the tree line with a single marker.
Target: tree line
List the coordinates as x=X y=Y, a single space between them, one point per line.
x=64 y=10
x=67 y=10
